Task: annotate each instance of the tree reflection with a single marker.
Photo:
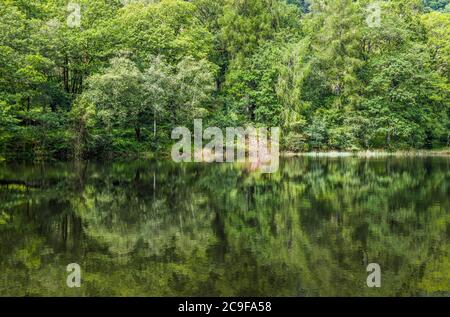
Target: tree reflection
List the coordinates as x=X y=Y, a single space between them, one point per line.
x=152 y=228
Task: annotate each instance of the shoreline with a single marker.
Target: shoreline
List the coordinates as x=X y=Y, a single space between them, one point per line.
x=370 y=153
x=283 y=154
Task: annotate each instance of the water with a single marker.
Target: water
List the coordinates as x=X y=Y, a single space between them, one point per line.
x=162 y=229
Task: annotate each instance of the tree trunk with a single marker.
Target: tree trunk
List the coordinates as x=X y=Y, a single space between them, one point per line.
x=66 y=74
x=138 y=134
x=53 y=106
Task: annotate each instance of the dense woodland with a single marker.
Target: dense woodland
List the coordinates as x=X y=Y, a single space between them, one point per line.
x=133 y=70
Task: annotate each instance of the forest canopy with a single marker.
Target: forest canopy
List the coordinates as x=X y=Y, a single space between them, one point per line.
x=116 y=79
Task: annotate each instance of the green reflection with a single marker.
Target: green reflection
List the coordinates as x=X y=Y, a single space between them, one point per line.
x=151 y=228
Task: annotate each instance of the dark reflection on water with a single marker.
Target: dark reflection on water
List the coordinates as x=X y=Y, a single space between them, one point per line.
x=151 y=228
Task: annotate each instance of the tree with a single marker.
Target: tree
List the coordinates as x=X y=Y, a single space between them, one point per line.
x=168 y=28
x=247 y=24
x=117 y=94
x=407 y=101
x=157 y=88
x=194 y=86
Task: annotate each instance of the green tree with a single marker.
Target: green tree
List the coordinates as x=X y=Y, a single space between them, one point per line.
x=117 y=93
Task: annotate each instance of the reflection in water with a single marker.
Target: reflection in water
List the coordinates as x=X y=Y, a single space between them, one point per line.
x=151 y=228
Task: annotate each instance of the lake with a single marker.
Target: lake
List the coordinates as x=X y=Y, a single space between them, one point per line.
x=149 y=228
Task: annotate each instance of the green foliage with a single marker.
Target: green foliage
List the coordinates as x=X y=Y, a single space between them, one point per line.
x=130 y=73
x=122 y=96
x=247 y=24
x=169 y=28
x=439 y=5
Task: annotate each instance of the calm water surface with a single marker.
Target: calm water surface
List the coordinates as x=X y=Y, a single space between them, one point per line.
x=151 y=228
